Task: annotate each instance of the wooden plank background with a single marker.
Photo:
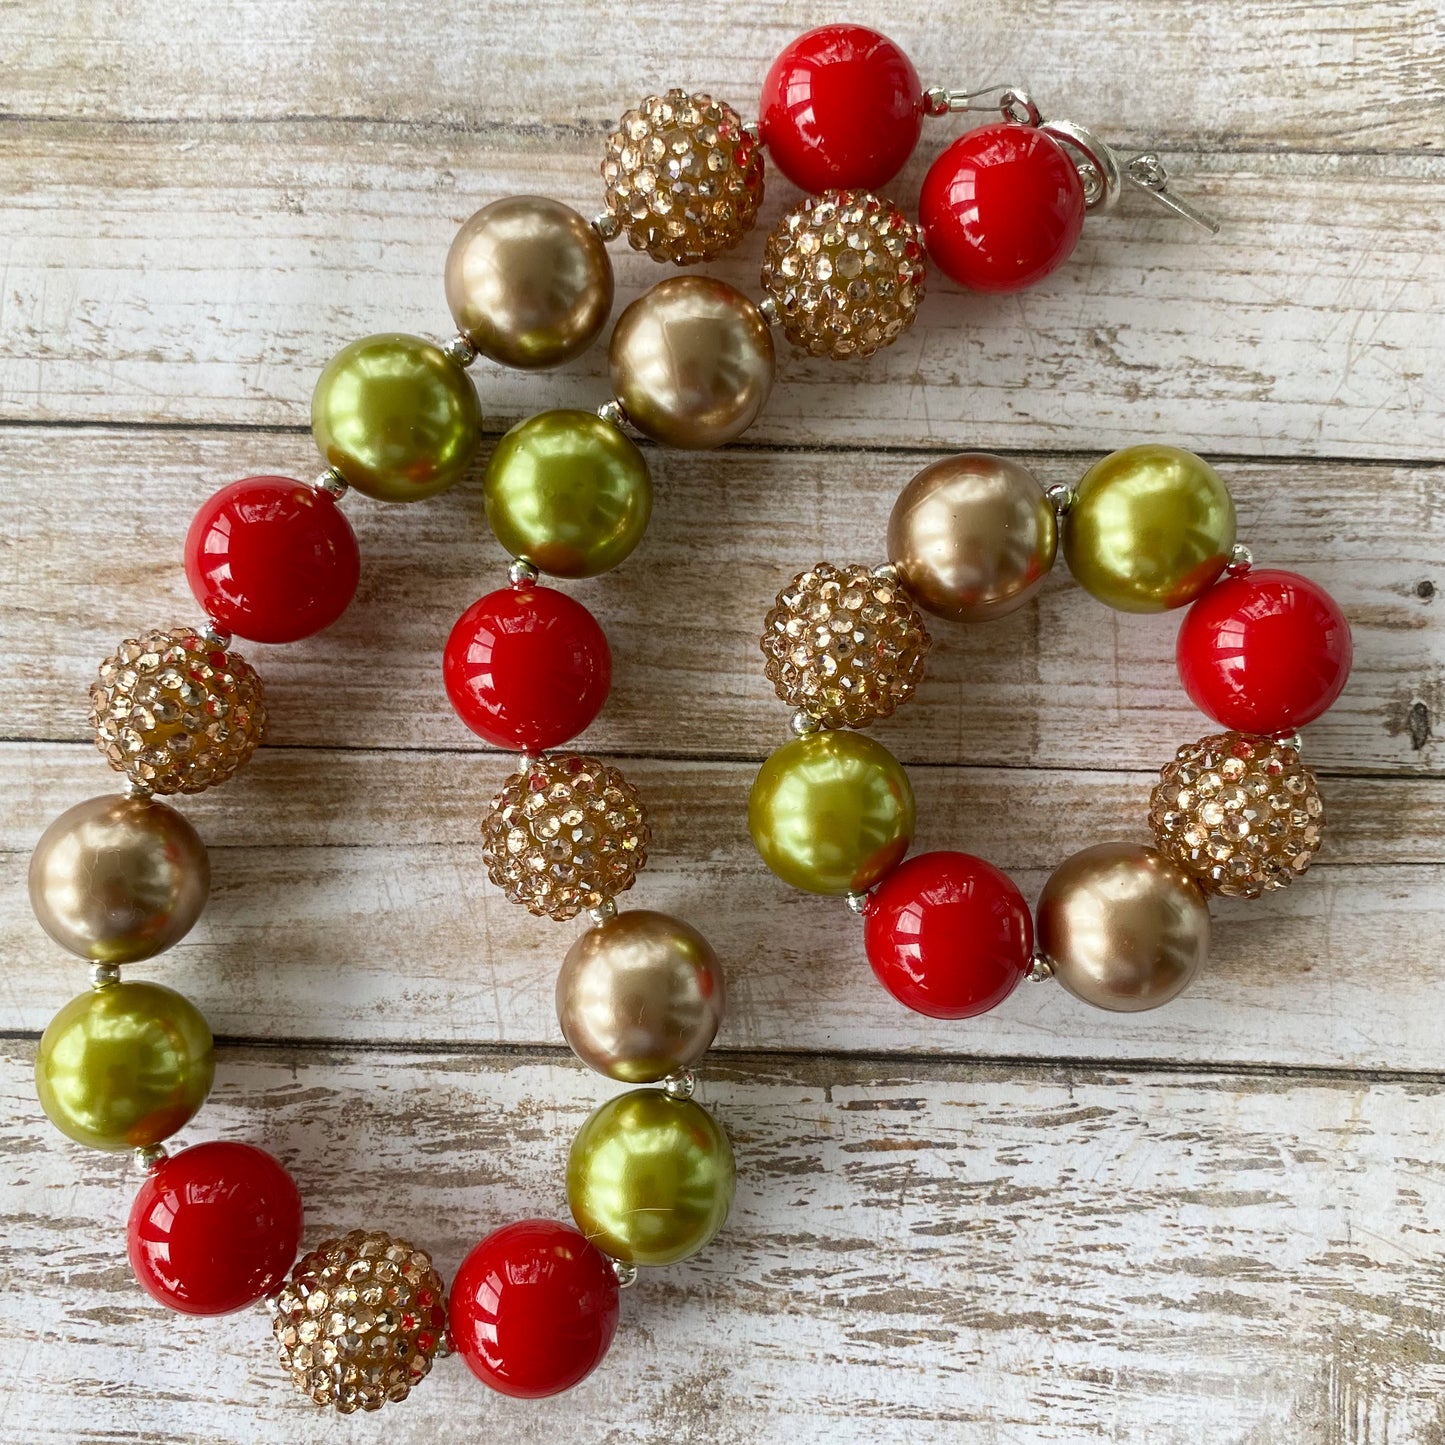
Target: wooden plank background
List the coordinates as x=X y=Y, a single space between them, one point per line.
x=1217 y=1222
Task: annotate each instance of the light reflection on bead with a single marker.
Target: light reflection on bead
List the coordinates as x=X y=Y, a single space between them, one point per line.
x=1239 y=813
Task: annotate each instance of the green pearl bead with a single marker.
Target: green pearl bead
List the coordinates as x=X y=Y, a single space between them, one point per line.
x=396 y=418
x=569 y=493
x=1150 y=528
x=650 y=1179
x=831 y=812
x=124 y=1066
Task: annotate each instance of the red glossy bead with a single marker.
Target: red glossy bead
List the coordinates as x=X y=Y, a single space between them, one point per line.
x=948 y=935
x=272 y=559
x=1266 y=652
x=1001 y=208
x=527 y=668
x=534 y=1308
x=841 y=109
x=214 y=1228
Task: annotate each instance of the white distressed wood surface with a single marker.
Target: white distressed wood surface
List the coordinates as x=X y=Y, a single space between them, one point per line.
x=1218 y=1222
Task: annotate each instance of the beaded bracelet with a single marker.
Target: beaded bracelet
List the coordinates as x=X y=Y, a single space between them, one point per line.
x=1121 y=926
x=117 y=880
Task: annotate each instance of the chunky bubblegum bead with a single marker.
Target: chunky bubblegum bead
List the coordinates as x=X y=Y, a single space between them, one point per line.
x=1001 y=208
x=272 y=559
x=948 y=935
x=1266 y=652
x=841 y=107
x=527 y=668
x=534 y=1308
x=214 y=1228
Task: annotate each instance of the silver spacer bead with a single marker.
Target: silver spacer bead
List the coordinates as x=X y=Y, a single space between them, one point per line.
x=857 y=903
x=679 y=1085
x=935 y=100
x=459 y=350
x=104 y=975
x=214 y=636
x=769 y=311
x=626 y=1273
x=803 y=723
x=331 y=481
x=1041 y=969
x=887 y=572
x=607 y=225
x=134 y=788
x=1241 y=559
x=1061 y=498
x=604 y=910
x=527 y=761
x=751 y=128
x=145 y=1160
x=522 y=573
x=1290 y=740
x=612 y=413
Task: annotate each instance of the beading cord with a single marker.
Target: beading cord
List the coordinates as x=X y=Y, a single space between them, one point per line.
x=118 y=880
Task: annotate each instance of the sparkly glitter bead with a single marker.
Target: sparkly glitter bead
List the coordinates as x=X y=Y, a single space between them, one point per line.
x=847 y=272
x=683 y=177
x=360 y=1320
x=844 y=646
x=564 y=834
x=1239 y=813
x=176 y=713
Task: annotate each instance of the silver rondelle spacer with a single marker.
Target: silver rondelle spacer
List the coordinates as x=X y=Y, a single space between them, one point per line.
x=214 y=636
x=935 y=100
x=857 y=903
x=331 y=481
x=769 y=311
x=604 y=910
x=679 y=1085
x=134 y=788
x=803 y=723
x=626 y=1273
x=527 y=761
x=145 y=1160
x=1061 y=498
x=1041 y=969
x=522 y=573
x=612 y=413
x=607 y=225
x=460 y=350
x=887 y=572
x=1241 y=559
x=753 y=129
x=104 y=975
x=1290 y=740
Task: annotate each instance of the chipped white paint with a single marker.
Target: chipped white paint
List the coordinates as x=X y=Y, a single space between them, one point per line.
x=1127 y=1229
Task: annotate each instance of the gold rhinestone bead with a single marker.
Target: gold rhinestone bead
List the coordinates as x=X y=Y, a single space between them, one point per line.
x=844 y=645
x=176 y=713
x=1238 y=812
x=360 y=1320
x=846 y=270
x=564 y=833
x=684 y=178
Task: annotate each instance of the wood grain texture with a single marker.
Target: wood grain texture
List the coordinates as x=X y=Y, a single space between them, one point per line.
x=1219 y=1222
x=1310 y=328
x=924 y=1250
x=1063 y=683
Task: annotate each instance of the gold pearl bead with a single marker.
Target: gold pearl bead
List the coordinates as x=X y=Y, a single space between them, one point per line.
x=847 y=272
x=175 y=713
x=691 y=362
x=1124 y=928
x=566 y=833
x=1239 y=813
x=972 y=537
x=640 y=997
x=684 y=179
x=117 y=880
x=843 y=645
x=529 y=282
